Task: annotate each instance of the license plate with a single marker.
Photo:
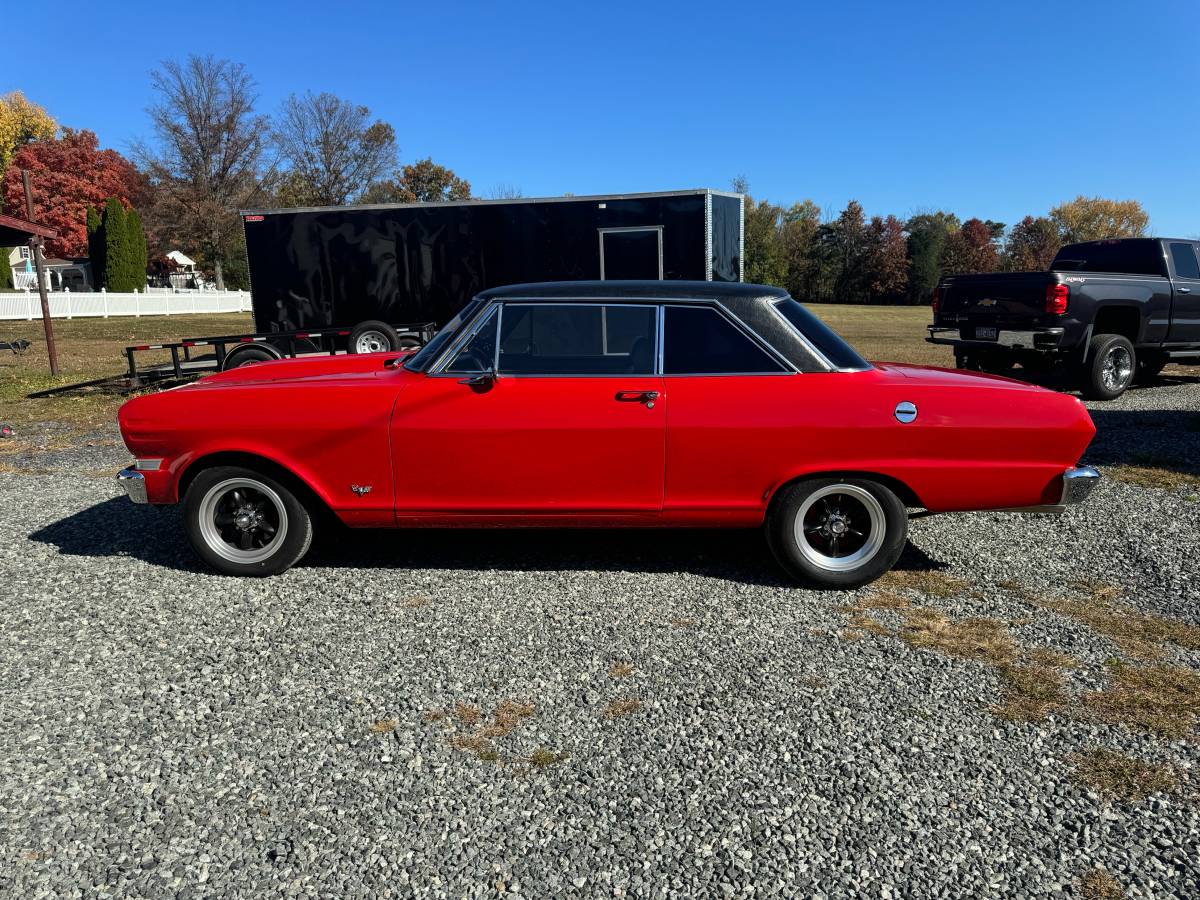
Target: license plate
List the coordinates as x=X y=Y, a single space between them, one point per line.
x=985 y=334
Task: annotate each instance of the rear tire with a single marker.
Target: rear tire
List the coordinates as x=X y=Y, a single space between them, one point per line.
x=241 y=522
x=246 y=354
x=373 y=337
x=837 y=533
x=1109 y=368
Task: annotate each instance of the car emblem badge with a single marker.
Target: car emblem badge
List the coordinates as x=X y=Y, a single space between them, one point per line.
x=987 y=301
x=906 y=412
x=361 y=489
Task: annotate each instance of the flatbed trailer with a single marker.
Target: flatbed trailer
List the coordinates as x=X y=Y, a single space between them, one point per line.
x=232 y=350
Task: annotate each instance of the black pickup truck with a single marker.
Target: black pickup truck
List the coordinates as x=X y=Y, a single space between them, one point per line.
x=1109 y=310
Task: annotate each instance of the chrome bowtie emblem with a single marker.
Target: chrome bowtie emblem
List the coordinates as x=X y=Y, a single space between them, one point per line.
x=906 y=412
x=361 y=489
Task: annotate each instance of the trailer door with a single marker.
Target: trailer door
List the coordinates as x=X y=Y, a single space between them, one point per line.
x=634 y=253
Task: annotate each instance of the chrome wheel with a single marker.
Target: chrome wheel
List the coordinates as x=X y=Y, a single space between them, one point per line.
x=1116 y=371
x=372 y=342
x=242 y=520
x=840 y=527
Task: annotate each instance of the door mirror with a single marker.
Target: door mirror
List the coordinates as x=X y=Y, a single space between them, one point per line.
x=483 y=381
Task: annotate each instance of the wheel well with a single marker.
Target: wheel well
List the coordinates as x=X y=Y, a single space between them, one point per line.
x=1122 y=320
x=258 y=464
x=906 y=494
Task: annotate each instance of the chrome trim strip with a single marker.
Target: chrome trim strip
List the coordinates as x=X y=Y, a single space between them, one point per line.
x=133 y=483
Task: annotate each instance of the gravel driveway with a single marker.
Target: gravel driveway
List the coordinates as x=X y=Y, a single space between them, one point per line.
x=596 y=714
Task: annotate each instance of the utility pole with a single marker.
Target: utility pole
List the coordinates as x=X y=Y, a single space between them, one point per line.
x=35 y=250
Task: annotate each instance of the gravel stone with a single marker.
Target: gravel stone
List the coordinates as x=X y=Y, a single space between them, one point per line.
x=165 y=732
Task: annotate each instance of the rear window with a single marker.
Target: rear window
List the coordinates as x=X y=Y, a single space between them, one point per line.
x=1129 y=257
x=1184 y=258
x=820 y=335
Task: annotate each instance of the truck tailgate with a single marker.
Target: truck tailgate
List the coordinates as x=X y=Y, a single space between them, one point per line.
x=1004 y=299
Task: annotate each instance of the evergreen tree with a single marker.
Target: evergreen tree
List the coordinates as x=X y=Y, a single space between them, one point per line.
x=138 y=258
x=6 y=275
x=116 y=247
x=95 y=245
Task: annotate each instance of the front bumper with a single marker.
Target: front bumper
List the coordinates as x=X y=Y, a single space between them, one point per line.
x=1077 y=484
x=134 y=483
x=1030 y=339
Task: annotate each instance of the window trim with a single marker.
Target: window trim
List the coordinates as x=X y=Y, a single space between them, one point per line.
x=1170 y=248
x=628 y=229
x=720 y=309
x=804 y=339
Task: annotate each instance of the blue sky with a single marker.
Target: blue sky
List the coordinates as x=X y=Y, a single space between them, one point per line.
x=995 y=110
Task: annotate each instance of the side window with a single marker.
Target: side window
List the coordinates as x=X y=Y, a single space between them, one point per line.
x=478 y=354
x=1184 y=258
x=701 y=341
x=577 y=339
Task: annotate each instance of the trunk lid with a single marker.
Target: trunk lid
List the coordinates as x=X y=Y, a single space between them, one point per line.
x=1001 y=300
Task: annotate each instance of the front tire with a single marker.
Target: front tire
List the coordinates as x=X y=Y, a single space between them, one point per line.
x=241 y=522
x=838 y=533
x=1109 y=368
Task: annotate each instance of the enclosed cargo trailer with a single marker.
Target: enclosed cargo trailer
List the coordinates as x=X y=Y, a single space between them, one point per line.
x=337 y=267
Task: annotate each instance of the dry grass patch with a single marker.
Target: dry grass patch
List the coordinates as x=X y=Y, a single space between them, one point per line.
x=1117 y=775
x=864 y=622
x=383 y=726
x=1031 y=692
x=415 y=602
x=929 y=582
x=1152 y=476
x=982 y=640
x=622 y=707
x=683 y=623
x=467 y=714
x=1048 y=656
x=882 y=600
x=1163 y=699
x=620 y=670
x=508 y=715
x=1139 y=634
x=541 y=757
x=1099 y=885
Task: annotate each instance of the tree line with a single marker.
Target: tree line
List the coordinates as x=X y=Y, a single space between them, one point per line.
x=849 y=258
x=209 y=153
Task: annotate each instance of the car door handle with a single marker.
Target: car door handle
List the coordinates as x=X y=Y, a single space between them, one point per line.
x=647 y=397
x=1184 y=290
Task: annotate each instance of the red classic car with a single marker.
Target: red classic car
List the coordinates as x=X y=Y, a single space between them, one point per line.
x=605 y=404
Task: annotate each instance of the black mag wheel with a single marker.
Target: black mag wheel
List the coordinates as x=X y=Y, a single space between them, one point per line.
x=242 y=522
x=837 y=532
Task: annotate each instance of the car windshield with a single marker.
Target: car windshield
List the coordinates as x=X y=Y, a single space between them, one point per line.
x=424 y=357
x=827 y=341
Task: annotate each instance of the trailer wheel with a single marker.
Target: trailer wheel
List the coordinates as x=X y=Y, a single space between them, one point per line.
x=373 y=337
x=410 y=342
x=249 y=353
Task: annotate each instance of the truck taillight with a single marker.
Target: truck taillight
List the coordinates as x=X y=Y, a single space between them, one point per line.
x=1057 y=296
x=936 y=302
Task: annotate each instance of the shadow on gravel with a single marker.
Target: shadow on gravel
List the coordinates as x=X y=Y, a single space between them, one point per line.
x=120 y=528
x=1162 y=439
x=117 y=527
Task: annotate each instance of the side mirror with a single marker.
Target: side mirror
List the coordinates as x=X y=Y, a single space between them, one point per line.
x=483 y=380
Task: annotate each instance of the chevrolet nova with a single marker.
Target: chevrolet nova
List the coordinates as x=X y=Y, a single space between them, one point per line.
x=605 y=404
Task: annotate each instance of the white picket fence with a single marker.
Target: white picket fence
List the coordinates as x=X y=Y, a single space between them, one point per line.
x=68 y=305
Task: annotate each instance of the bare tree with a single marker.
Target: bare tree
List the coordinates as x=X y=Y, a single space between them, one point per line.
x=505 y=191
x=207 y=160
x=330 y=149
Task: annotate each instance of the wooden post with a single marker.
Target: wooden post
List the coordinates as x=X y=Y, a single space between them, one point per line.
x=35 y=250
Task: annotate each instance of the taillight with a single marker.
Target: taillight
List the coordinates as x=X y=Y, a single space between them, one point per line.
x=936 y=302
x=1057 y=296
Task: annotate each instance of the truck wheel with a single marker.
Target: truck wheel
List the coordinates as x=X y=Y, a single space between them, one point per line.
x=1110 y=367
x=242 y=522
x=373 y=337
x=249 y=353
x=837 y=533
x=997 y=362
x=966 y=361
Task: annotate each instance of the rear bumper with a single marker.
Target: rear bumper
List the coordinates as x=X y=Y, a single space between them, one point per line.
x=1012 y=339
x=1077 y=484
x=134 y=483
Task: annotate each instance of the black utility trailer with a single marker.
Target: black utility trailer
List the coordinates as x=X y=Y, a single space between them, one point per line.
x=369 y=278
x=341 y=266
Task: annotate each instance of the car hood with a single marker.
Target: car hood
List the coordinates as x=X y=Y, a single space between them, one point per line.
x=904 y=373
x=309 y=367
